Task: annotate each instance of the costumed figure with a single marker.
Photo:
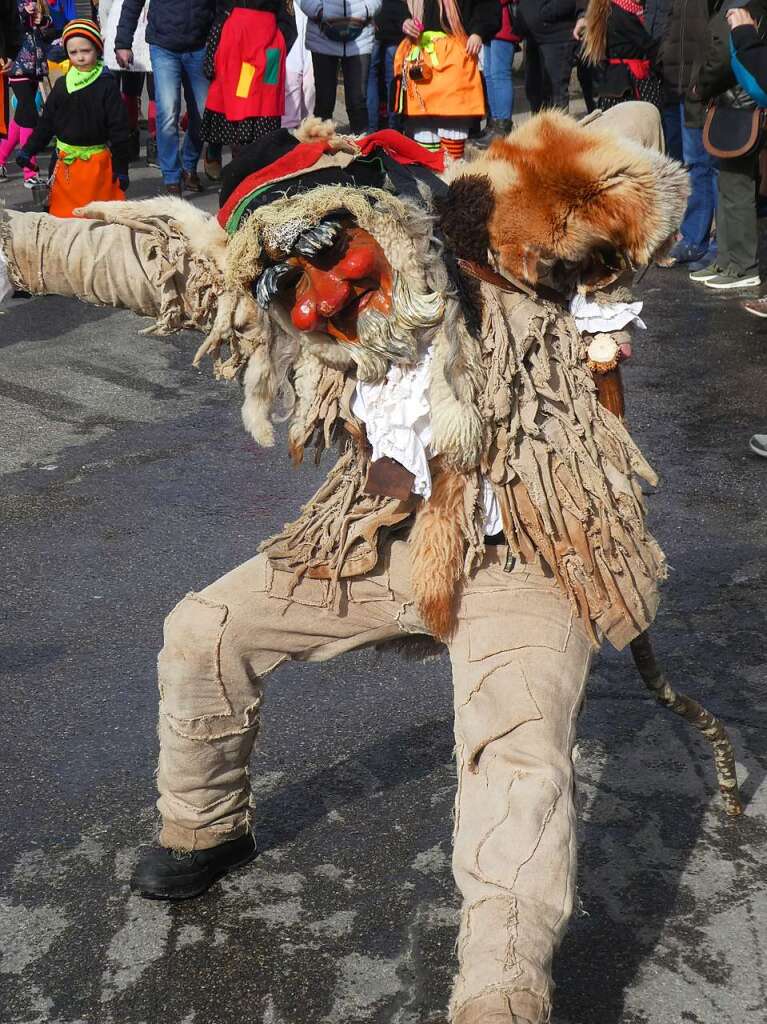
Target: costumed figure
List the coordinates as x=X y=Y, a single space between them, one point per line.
x=87 y=117
x=439 y=90
x=483 y=496
x=616 y=41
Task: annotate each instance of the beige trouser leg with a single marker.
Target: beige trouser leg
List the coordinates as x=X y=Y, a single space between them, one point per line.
x=520 y=662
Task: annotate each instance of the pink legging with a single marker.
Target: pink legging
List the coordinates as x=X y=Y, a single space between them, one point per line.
x=17 y=136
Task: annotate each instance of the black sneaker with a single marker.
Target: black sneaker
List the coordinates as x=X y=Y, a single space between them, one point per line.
x=163 y=874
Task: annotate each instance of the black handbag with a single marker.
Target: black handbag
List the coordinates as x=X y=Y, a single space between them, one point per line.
x=343 y=30
x=730 y=132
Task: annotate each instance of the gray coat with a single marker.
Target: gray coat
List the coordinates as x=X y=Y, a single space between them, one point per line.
x=318 y=42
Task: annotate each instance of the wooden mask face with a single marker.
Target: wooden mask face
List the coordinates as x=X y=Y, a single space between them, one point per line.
x=330 y=289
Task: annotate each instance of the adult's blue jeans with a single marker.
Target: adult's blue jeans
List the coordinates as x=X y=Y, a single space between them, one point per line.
x=168 y=68
x=499 y=57
x=380 y=54
x=703 y=170
x=673 y=119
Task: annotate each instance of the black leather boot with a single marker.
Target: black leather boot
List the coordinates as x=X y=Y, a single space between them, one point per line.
x=163 y=874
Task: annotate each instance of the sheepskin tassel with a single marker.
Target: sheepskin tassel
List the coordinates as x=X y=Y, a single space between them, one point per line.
x=259 y=388
x=437 y=553
x=314 y=129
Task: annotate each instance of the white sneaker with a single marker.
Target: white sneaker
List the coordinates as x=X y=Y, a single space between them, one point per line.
x=3 y=173
x=758 y=445
x=33 y=182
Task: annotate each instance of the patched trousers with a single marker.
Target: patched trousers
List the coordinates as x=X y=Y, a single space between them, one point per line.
x=520 y=661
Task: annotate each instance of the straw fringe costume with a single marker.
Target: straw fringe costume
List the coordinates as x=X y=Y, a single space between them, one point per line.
x=513 y=409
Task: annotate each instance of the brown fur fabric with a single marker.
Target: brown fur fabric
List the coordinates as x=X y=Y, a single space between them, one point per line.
x=567 y=196
x=437 y=552
x=464 y=216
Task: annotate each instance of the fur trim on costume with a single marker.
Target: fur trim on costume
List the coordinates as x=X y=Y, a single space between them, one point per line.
x=437 y=552
x=314 y=129
x=569 y=198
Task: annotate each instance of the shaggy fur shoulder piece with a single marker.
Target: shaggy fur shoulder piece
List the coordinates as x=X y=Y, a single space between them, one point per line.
x=572 y=197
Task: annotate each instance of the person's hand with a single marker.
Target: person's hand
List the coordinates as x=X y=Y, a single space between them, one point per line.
x=737 y=16
x=23 y=159
x=124 y=58
x=5 y=64
x=580 y=28
x=473 y=44
x=412 y=28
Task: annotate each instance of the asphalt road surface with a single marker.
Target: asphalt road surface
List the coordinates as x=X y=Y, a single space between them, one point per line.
x=128 y=481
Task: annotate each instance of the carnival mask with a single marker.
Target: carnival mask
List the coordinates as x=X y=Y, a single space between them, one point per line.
x=336 y=272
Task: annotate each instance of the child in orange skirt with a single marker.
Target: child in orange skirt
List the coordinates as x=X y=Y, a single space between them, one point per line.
x=86 y=115
x=439 y=86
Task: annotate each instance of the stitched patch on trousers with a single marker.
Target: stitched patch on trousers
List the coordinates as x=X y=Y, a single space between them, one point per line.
x=283 y=585
x=532 y=617
x=499 y=703
x=512 y=842
x=189 y=663
x=373 y=587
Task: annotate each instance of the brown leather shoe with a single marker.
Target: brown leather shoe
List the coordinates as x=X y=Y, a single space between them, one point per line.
x=173 y=189
x=212 y=168
x=191 y=180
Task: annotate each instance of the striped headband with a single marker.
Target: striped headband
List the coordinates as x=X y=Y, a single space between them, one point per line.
x=86 y=29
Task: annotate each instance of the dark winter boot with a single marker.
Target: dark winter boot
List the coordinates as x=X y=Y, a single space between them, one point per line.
x=134 y=145
x=163 y=874
x=504 y=126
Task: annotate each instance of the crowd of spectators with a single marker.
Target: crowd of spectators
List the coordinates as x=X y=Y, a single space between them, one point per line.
x=439 y=70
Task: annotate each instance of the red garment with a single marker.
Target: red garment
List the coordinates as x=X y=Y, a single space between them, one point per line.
x=631 y=8
x=640 y=69
x=507 y=33
x=249 y=67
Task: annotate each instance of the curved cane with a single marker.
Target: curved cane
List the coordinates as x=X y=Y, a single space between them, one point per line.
x=607 y=376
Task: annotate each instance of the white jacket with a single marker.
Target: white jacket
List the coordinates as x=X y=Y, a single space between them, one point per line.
x=109 y=15
x=318 y=42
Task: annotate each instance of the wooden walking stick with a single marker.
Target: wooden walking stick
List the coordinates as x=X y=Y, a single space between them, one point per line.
x=604 y=358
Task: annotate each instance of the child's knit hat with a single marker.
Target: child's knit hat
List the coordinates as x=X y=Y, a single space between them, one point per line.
x=86 y=29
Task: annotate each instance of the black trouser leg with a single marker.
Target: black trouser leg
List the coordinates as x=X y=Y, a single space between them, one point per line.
x=533 y=76
x=325 y=84
x=356 y=70
x=557 y=64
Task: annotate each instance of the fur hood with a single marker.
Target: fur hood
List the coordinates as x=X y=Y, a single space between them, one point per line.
x=553 y=199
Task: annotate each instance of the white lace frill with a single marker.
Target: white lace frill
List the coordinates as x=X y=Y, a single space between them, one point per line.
x=598 y=318
x=397 y=418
